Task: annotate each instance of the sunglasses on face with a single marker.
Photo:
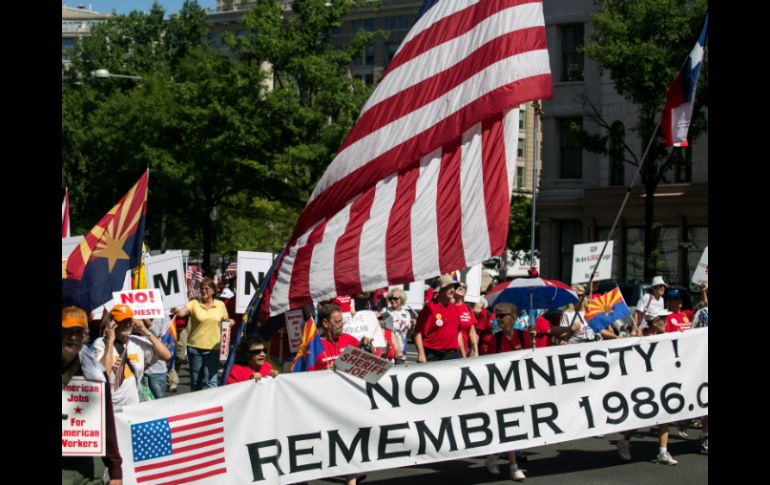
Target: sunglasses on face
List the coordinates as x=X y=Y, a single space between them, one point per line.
x=257 y=351
x=393 y=299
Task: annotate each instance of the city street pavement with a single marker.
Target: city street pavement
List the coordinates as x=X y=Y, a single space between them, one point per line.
x=591 y=461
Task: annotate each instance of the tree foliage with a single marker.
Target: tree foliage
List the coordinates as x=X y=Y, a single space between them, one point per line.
x=644 y=43
x=232 y=162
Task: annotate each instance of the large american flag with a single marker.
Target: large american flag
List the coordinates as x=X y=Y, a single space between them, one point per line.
x=422 y=183
x=179 y=449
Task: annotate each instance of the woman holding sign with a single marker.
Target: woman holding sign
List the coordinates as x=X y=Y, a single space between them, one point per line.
x=206 y=314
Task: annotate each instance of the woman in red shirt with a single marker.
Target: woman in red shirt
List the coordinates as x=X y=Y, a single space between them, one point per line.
x=251 y=361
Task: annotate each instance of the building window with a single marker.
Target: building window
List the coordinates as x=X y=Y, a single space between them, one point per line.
x=392 y=49
x=617 y=156
x=570 y=150
x=369 y=55
x=520 y=177
x=367 y=79
x=571 y=234
x=571 y=59
x=363 y=24
x=522 y=117
x=520 y=149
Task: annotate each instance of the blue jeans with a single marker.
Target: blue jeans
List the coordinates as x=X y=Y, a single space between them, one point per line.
x=204 y=365
x=157 y=383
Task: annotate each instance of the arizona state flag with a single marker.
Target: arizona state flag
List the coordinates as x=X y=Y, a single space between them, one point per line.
x=98 y=266
x=603 y=310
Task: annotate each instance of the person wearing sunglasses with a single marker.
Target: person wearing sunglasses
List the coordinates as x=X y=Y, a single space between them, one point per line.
x=251 y=361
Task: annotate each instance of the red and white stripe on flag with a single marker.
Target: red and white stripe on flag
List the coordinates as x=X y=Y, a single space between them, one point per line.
x=65 y=214
x=179 y=449
x=422 y=183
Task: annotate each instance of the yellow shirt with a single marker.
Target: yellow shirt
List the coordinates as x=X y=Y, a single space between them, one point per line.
x=204 y=324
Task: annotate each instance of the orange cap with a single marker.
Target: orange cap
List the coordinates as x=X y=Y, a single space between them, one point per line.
x=121 y=312
x=73 y=316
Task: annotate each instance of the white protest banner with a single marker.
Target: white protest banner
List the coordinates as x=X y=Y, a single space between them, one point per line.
x=584 y=258
x=365 y=324
x=68 y=244
x=224 y=341
x=359 y=363
x=252 y=268
x=702 y=271
x=294 y=326
x=165 y=272
x=422 y=413
x=145 y=303
x=83 y=418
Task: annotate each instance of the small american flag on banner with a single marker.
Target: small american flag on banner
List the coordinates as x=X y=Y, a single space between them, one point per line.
x=179 y=449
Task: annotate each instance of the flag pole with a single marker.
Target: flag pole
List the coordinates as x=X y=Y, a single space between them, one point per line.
x=622 y=207
x=538 y=113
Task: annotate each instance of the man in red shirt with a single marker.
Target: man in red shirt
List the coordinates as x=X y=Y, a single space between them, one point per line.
x=332 y=338
x=437 y=333
x=677 y=321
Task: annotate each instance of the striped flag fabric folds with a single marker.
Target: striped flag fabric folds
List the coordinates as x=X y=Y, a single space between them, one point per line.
x=179 y=449
x=231 y=271
x=421 y=184
x=677 y=112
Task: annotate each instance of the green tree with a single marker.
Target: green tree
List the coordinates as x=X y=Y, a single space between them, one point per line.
x=643 y=43
x=232 y=159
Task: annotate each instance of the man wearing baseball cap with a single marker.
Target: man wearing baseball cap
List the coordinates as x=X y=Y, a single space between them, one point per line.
x=677 y=321
x=78 y=360
x=123 y=354
x=437 y=333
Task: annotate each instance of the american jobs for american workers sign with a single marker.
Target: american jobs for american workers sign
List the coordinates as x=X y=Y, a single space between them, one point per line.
x=320 y=424
x=83 y=418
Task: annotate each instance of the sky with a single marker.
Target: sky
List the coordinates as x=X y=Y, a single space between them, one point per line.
x=126 y=6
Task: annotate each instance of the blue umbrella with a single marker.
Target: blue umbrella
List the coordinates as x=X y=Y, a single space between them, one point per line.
x=532 y=293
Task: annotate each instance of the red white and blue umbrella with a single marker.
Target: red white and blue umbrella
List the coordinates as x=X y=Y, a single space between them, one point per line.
x=532 y=293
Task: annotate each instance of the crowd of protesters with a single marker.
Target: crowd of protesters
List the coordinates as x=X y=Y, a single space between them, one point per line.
x=140 y=359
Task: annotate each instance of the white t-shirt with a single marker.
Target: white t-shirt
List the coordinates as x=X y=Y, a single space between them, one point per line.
x=128 y=392
x=583 y=334
x=651 y=308
x=156 y=365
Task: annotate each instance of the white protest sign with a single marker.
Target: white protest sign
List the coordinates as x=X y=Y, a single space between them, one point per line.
x=68 y=244
x=472 y=279
x=415 y=294
x=83 y=418
x=360 y=363
x=224 y=341
x=584 y=258
x=309 y=425
x=165 y=272
x=145 y=303
x=294 y=321
x=252 y=268
x=702 y=271
x=365 y=324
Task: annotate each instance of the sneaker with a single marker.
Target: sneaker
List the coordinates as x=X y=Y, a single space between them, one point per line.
x=623 y=450
x=491 y=464
x=517 y=474
x=704 y=446
x=665 y=459
x=682 y=431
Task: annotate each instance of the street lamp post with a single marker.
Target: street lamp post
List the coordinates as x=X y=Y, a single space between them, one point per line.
x=104 y=73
